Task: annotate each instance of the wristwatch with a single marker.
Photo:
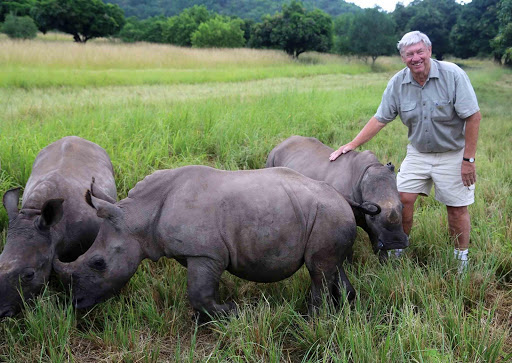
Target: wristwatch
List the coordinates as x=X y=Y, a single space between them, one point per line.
x=471 y=160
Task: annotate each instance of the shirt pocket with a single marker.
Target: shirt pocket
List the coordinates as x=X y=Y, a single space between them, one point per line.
x=408 y=113
x=443 y=110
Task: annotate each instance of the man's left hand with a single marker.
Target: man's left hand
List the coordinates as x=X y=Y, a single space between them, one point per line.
x=468 y=171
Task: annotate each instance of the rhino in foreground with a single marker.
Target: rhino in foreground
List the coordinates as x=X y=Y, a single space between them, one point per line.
x=260 y=225
x=358 y=176
x=54 y=219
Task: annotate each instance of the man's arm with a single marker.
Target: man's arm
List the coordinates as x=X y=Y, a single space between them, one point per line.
x=468 y=170
x=372 y=127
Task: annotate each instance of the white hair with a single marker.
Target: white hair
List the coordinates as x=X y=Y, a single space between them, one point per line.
x=411 y=38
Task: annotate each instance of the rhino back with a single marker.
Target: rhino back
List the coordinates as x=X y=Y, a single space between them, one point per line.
x=257 y=223
x=310 y=157
x=64 y=169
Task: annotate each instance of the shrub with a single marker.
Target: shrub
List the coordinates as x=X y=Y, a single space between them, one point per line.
x=219 y=32
x=19 y=27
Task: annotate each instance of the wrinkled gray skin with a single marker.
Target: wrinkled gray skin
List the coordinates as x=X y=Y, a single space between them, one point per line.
x=358 y=176
x=54 y=219
x=260 y=225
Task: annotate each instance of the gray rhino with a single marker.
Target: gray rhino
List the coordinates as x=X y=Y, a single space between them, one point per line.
x=358 y=176
x=54 y=219
x=260 y=225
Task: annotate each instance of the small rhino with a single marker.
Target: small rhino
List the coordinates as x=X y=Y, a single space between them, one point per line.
x=260 y=225
x=358 y=176
x=54 y=219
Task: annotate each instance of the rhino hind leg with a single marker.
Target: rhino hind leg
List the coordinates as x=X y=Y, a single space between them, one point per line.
x=203 y=276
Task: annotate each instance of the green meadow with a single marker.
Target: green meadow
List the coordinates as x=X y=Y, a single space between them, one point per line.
x=155 y=107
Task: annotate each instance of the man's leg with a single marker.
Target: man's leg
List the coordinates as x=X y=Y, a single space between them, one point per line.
x=460 y=226
x=408 y=200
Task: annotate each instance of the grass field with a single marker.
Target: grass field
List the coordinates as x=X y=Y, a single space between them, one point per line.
x=154 y=107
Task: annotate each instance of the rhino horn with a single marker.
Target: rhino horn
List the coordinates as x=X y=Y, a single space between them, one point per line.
x=63 y=270
x=10 y=201
x=104 y=209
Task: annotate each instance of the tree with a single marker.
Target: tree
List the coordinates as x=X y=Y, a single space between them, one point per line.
x=179 y=29
x=341 y=33
x=502 y=43
x=295 y=31
x=369 y=33
x=476 y=26
x=15 y=7
x=435 y=18
x=219 y=32
x=19 y=27
x=84 y=19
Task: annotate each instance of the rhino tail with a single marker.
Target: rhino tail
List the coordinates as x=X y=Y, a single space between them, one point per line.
x=369 y=208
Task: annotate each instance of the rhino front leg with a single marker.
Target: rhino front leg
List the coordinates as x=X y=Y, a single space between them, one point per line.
x=331 y=283
x=203 y=276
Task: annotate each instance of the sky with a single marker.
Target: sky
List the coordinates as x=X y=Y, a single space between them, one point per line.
x=388 y=5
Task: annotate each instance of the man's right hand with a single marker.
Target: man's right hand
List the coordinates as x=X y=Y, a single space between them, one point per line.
x=342 y=150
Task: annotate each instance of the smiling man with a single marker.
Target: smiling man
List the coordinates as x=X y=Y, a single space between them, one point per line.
x=437 y=103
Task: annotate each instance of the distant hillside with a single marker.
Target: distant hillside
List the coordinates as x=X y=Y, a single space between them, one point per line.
x=245 y=9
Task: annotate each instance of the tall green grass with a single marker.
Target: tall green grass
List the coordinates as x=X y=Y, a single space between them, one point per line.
x=417 y=309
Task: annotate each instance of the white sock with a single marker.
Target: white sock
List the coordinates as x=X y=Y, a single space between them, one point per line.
x=462 y=257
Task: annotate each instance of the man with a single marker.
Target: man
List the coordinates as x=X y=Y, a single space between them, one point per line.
x=437 y=103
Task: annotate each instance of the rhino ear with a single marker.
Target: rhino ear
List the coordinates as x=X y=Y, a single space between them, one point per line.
x=10 y=200
x=98 y=193
x=391 y=166
x=103 y=208
x=51 y=214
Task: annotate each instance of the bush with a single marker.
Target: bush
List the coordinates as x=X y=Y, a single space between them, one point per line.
x=19 y=27
x=219 y=32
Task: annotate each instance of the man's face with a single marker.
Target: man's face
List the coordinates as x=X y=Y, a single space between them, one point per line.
x=417 y=58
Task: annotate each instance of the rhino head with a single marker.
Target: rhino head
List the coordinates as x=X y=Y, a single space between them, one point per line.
x=26 y=261
x=385 y=229
x=108 y=264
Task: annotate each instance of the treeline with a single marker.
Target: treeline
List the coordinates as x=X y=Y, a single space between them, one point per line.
x=245 y=9
x=480 y=28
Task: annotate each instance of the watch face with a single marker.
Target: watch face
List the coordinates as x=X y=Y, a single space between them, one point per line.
x=471 y=160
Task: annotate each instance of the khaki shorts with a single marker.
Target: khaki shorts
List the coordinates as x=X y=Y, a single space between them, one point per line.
x=420 y=170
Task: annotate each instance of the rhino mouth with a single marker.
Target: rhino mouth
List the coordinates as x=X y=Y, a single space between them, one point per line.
x=392 y=245
x=6 y=312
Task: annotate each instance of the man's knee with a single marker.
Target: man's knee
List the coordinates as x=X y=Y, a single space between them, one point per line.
x=457 y=212
x=408 y=199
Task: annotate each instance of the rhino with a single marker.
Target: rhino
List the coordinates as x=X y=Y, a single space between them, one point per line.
x=54 y=219
x=260 y=225
x=358 y=176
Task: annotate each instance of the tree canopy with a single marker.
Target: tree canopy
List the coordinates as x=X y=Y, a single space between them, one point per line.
x=370 y=33
x=84 y=19
x=295 y=30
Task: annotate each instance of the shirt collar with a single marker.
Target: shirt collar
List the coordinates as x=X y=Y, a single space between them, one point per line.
x=433 y=73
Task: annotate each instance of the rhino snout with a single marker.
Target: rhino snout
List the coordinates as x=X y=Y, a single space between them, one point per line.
x=7 y=311
x=393 y=243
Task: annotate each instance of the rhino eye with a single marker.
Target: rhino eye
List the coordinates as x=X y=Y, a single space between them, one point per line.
x=98 y=263
x=28 y=275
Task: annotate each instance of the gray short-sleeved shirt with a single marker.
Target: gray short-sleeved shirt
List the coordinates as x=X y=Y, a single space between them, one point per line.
x=435 y=113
